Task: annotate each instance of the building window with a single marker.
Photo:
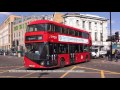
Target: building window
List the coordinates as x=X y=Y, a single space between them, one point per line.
x=25 y=25
x=90 y=26
x=95 y=25
x=65 y=21
x=14 y=35
x=101 y=36
x=77 y=22
x=90 y=33
x=15 y=28
x=20 y=26
x=83 y=25
x=19 y=34
x=95 y=36
x=9 y=38
x=101 y=26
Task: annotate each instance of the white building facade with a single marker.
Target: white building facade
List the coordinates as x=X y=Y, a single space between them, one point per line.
x=95 y=25
x=4 y=37
x=6 y=31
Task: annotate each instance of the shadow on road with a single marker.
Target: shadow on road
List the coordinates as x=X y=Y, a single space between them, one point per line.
x=42 y=74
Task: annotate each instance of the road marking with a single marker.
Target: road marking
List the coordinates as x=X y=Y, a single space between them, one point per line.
x=112 y=73
x=67 y=72
x=89 y=68
x=26 y=75
x=102 y=74
x=9 y=66
x=88 y=72
x=40 y=77
x=99 y=70
x=11 y=69
x=45 y=77
x=33 y=77
x=8 y=76
x=2 y=70
x=18 y=68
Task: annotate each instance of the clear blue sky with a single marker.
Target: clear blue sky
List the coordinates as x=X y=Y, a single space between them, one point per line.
x=115 y=16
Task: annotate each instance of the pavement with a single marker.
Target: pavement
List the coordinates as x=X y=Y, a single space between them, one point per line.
x=12 y=67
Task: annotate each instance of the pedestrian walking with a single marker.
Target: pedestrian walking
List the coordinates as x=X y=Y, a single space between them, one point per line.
x=113 y=53
x=116 y=55
x=108 y=55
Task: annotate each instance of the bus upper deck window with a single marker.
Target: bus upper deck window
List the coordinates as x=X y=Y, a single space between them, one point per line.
x=49 y=27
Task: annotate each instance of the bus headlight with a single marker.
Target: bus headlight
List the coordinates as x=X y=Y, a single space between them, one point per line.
x=42 y=63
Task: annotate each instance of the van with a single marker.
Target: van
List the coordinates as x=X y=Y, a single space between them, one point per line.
x=96 y=53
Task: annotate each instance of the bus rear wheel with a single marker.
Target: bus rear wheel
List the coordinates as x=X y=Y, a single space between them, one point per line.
x=62 y=62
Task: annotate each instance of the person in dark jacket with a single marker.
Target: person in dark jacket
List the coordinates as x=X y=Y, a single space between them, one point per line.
x=108 y=55
x=116 y=55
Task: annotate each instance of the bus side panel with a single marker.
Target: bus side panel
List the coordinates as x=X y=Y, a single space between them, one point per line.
x=85 y=54
x=66 y=58
x=78 y=58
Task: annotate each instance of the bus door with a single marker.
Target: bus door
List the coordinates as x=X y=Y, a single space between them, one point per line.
x=53 y=54
x=72 y=53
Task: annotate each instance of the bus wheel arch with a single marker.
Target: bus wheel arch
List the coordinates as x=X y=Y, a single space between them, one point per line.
x=62 y=62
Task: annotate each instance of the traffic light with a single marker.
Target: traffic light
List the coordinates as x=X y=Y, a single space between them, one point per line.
x=113 y=38
x=116 y=35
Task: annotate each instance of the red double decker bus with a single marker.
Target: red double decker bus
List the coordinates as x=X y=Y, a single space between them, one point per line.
x=50 y=44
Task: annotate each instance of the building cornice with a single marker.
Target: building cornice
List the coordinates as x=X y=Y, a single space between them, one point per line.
x=7 y=19
x=88 y=16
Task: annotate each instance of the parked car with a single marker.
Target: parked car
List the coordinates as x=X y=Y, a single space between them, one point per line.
x=1 y=52
x=96 y=53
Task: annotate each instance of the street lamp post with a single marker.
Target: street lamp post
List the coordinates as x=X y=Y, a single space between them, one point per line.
x=102 y=33
x=111 y=38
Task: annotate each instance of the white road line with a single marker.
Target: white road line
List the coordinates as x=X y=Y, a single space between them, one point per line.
x=11 y=69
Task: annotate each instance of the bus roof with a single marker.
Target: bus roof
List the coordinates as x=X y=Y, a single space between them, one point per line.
x=56 y=23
